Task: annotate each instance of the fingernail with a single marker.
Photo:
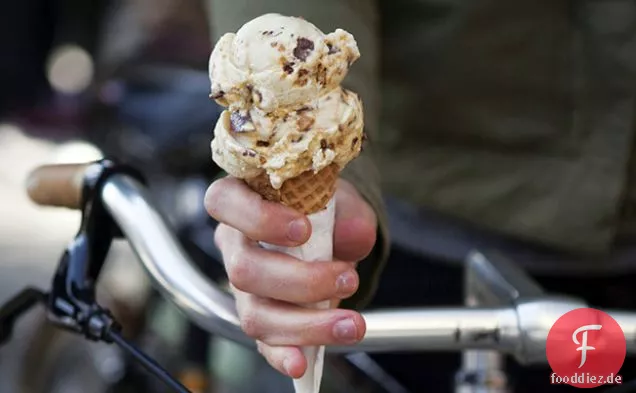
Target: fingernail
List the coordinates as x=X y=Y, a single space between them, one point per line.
x=346 y=283
x=287 y=365
x=345 y=330
x=297 y=230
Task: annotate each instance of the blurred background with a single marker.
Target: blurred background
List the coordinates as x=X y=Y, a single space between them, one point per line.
x=125 y=79
x=80 y=80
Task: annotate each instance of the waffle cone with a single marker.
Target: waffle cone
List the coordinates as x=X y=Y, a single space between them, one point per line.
x=308 y=193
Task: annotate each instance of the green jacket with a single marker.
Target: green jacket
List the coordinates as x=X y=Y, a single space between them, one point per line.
x=516 y=116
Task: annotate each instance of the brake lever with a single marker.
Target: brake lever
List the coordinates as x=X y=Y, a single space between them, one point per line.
x=71 y=304
x=72 y=301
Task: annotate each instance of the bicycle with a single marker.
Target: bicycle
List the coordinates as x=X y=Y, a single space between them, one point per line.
x=128 y=128
x=505 y=311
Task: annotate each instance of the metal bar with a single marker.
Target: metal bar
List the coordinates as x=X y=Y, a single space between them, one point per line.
x=212 y=308
x=439 y=329
x=519 y=329
x=497 y=281
x=166 y=262
x=485 y=283
x=627 y=320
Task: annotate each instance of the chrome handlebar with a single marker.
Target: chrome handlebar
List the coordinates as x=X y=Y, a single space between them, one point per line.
x=505 y=310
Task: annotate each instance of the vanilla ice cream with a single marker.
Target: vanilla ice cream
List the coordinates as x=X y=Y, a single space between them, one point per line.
x=279 y=78
x=277 y=61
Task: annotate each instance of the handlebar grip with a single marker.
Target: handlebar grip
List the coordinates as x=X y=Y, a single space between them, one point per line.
x=57 y=185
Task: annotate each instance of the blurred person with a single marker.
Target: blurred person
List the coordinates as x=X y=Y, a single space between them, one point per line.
x=493 y=124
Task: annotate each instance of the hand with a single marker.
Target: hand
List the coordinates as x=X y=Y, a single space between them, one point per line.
x=267 y=283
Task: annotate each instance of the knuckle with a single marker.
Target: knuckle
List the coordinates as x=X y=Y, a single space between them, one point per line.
x=260 y=347
x=266 y=218
x=240 y=271
x=219 y=234
x=250 y=323
x=214 y=198
x=320 y=282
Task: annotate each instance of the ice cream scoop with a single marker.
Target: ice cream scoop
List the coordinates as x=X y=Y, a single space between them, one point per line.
x=284 y=145
x=276 y=61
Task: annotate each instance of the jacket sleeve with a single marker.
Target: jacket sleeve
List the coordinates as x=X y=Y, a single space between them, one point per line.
x=360 y=18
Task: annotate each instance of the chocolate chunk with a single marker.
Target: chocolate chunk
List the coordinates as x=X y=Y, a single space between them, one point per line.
x=257 y=97
x=332 y=49
x=287 y=67
x=321 y=74
x=303 y=48
x=353 y=143
x=270 y=33
x=250 y=153
x=302 y=109
x=304 y=123
x=218 y=95
x=250 y=89
x=238 y=121
x=323 y=144
x=300 y=82
x=262 y=143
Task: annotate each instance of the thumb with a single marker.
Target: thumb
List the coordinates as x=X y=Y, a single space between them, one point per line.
x=355 y=226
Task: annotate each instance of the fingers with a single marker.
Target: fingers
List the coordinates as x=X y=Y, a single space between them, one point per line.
x=356 y=224
x=287 y=360
x=282 y=324
x=267 y=284
x=230 y=201
x=274 y=275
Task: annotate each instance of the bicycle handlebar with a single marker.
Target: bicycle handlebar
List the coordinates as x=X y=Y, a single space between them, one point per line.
x=507 y=312
x=57 y=185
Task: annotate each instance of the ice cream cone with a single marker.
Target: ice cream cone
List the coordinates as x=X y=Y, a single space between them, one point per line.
x=289 y=128
x=308 y=193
